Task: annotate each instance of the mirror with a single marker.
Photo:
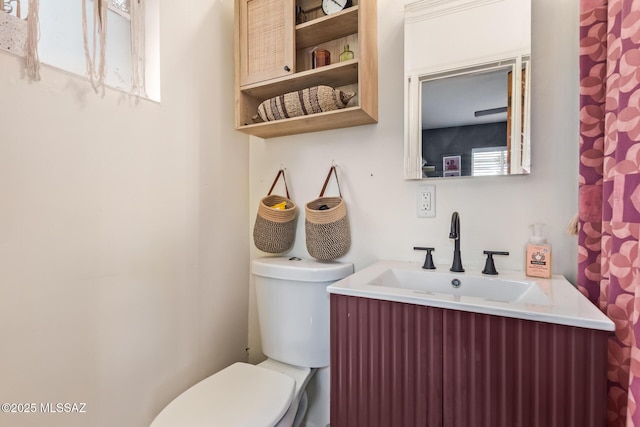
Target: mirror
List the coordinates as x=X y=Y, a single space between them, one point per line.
x=467 y=103
x=470 y=124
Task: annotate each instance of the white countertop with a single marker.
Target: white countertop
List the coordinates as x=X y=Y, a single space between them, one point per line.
x=565 y=306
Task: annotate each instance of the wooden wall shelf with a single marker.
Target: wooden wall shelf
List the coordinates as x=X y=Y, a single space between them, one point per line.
x=347 y=117
x=289 y=68
x=334 y=75
x=327 y=28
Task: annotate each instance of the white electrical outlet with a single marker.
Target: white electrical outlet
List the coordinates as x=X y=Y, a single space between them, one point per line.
x=426 y=201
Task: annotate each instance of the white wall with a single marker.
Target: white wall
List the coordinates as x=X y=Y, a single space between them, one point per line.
x=124 y=242
x=495 y=211
x=439 y=36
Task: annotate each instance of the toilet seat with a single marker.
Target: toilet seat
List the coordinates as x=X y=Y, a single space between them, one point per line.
x=241 y=395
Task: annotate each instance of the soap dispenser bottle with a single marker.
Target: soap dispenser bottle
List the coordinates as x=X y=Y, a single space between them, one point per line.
x=538 y=256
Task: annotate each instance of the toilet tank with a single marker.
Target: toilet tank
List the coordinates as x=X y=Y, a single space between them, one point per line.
x=293 y=307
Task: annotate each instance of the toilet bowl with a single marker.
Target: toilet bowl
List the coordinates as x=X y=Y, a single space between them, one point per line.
x=293 y=310
x=241 y=395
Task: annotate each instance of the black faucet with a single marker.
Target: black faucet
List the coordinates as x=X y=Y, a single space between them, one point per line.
x=455 y=234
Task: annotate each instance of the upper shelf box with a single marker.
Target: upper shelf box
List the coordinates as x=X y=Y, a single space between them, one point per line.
x=326 y=28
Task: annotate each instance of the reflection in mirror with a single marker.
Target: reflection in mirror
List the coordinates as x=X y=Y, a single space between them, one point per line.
x=469 y=124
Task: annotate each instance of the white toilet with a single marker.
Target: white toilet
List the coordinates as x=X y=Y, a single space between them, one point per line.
x=293 y=308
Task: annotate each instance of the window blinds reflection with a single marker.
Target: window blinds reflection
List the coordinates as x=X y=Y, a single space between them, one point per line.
x=487 y=161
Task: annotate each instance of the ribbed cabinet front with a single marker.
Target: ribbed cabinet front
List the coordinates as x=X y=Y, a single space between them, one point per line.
x=386 y=363
x=404 y=365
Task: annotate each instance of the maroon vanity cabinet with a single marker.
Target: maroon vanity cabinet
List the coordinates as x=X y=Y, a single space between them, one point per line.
x=403 y=365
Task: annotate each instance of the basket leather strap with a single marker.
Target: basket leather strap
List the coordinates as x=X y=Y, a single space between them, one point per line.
x=326 y=181
x=275 y=181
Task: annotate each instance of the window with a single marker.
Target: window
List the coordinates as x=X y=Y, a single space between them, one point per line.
x=61 y=39
x=488 y=161
x=121 y=6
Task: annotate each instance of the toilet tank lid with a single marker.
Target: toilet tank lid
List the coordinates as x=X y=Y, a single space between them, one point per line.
x=300 y=269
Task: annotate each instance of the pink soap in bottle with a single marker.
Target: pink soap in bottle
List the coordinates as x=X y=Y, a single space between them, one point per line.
x=538 y=253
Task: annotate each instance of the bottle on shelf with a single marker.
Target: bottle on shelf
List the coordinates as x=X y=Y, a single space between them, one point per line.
x=346 y=54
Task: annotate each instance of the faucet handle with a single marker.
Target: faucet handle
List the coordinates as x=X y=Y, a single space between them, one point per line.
x=428 y=260
x=489 y=266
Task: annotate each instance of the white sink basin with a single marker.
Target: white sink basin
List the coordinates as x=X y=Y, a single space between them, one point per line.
x=460 y=284
x=510 y=294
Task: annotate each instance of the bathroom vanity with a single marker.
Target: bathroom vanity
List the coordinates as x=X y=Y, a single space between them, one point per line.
x=409 y=349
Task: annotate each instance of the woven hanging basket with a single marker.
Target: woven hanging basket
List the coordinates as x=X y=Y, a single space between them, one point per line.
x=328 y=232
x=275 y=230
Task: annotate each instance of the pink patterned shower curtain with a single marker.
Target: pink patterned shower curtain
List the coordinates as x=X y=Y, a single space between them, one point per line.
x=609 y=194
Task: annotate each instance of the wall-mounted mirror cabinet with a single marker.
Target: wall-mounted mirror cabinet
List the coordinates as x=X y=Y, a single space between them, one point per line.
x=467 y=88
